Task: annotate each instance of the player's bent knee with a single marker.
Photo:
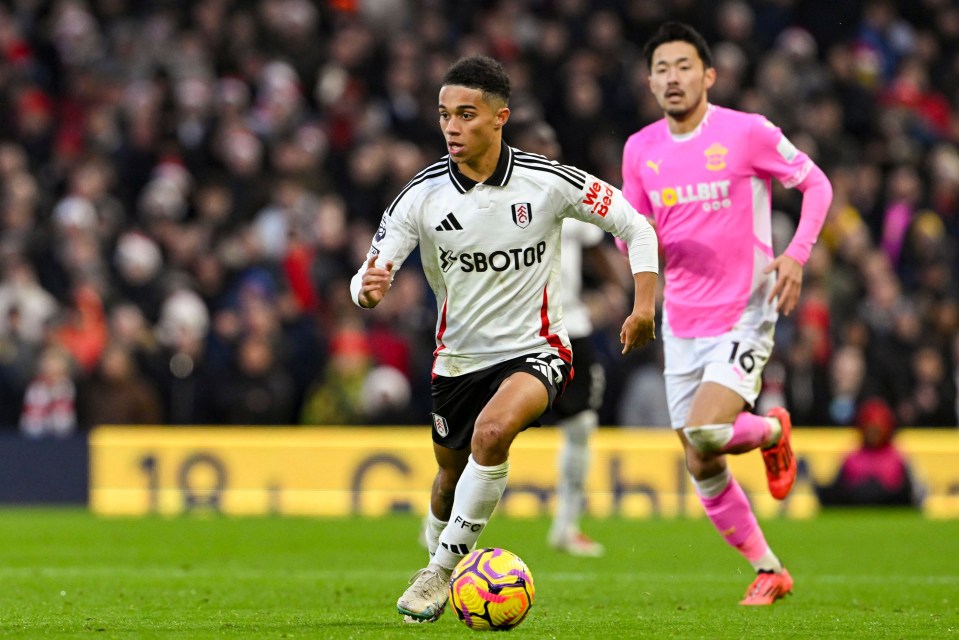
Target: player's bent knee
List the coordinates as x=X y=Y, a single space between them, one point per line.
x=709 y=438
x=491 y=440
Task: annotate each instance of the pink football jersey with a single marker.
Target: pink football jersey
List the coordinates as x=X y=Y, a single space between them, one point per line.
x=709 y=193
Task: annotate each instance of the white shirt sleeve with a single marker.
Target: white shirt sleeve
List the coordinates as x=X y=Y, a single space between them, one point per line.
x=393 y=242
x=605 y=206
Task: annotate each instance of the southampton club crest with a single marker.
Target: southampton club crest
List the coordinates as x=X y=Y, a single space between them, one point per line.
x=522 y=214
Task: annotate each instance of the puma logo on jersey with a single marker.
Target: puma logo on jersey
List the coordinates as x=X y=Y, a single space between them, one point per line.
x=654 y=165
x=450 y=223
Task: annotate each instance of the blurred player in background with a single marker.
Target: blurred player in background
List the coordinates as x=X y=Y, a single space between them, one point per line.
x=577 y=410
x=703 y=175
x=487 y=219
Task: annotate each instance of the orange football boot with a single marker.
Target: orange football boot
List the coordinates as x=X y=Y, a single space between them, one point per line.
x=767 y=588
x=779 y=459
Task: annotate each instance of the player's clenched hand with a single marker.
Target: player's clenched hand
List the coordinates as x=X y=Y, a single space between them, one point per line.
x=376 y=282
x=788 y=283
x=638 y=331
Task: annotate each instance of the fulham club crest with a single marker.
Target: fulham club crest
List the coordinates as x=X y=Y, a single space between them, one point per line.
x=522 y=214
x=439 y=423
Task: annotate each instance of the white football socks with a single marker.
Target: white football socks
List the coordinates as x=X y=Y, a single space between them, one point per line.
x=775 y=434
x=712 y=487
x=477 y=493
x=573 y=465
x=767 y=562
x=434 y=527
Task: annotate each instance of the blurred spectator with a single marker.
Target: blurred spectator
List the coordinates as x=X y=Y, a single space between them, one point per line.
x=883 y=39
x=892 y=355
x=905 y=192
x=139 y=265
x=21 y=294
x=943 y=169
x=185 y=378
x=732 y=67
x=802 y=50
x=858 y=103
x=117 y=393
x=82 y=329
x=876 y=473
x=927 y=112
x=18 y=358
x=386 y=397
x=931 y=399
x=735 y=23
x=49 y=406
x=338 y=394
x=884 y=296
x=130 y=330
x=848 y=377
x=260 y=391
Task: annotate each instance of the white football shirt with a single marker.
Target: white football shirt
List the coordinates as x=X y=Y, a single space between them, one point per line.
x=491 y=252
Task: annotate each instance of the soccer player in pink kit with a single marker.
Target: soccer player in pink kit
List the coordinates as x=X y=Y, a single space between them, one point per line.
x=703 y=174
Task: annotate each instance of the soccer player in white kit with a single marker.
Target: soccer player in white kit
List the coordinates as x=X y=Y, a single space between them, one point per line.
x=703 y=175
x=488 y=219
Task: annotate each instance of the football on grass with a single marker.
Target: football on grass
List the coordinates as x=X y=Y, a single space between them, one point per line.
x=491 y=589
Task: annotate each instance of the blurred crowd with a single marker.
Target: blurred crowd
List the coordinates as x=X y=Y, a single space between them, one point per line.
x=186 y=188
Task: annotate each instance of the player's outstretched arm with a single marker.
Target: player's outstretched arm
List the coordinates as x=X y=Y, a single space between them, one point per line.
x=639 y=329
x=376 y=282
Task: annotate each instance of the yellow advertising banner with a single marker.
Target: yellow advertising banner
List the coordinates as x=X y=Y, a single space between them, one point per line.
x=372 y=471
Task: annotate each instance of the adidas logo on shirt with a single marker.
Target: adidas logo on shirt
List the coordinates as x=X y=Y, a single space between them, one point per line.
x=450 y=223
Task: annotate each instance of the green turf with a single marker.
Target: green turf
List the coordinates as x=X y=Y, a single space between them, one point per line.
x=858 y=575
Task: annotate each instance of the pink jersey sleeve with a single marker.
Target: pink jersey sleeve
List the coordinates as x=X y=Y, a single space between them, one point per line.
x=773 y=155
x=633 y=189
x=816 y=198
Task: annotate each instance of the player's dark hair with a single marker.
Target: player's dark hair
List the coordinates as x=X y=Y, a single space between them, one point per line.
x=480 y=72
x=678 y=32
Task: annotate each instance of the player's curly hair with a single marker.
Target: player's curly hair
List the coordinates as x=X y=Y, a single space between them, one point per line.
x=678 y=32
x=480 y=72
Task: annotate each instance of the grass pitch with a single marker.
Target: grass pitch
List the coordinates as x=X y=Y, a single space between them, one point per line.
x=68 y=574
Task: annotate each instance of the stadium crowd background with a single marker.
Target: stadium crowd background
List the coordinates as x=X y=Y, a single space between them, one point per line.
x=186 y=188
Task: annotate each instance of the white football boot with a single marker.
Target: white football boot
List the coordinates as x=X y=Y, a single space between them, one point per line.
x=425 y=599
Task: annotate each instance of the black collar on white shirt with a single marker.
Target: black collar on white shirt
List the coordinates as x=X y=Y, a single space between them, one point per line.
x=500 y=177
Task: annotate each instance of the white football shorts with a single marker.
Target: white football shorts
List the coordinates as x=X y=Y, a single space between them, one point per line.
x=734 y=359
